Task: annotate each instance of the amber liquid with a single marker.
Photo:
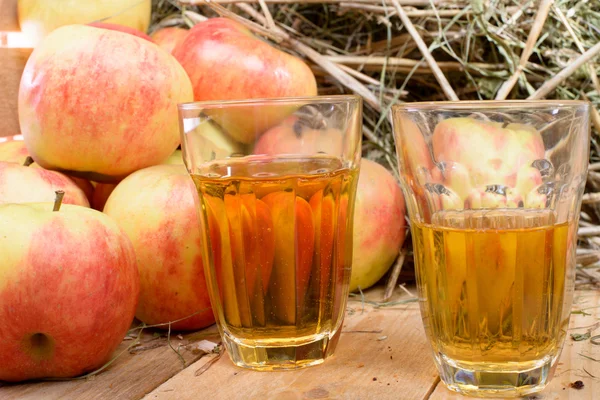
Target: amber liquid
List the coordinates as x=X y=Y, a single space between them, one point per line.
x=493 y=285
x=279 y=236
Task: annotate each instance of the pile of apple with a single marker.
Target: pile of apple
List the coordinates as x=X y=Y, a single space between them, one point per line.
x=98 y=117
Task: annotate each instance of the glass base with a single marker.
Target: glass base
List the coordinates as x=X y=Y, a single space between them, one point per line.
x=495 y=380
x=276 y=355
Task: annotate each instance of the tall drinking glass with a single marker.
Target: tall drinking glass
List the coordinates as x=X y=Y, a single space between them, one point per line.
x=493 y=191
x=276 y=182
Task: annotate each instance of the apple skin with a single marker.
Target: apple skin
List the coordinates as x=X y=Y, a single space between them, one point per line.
x=37 y=18
x=103 y=190
x=169 y=38
x=101 y=128
x=156 y=208
x=291 y=137
x=13 y=149
x=19 y=184
x=226 y=62
x=70 y=275
x=503 y=157
x=380 y=226
x=175 y=159
x=122 y=28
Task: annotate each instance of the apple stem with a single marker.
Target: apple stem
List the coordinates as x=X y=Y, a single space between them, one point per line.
x=28 y=161
x=58 y=200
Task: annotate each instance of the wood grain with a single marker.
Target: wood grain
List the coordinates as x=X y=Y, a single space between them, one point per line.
x=12 y=62
x=130 y=377
x=572 y=365
x=382 y=354
x=383 y=343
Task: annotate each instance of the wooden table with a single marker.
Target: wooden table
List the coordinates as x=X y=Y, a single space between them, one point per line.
x=382 y=354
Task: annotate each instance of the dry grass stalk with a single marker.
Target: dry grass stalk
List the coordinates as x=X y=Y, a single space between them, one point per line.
x=550 y=85
x=270 y=24
x=534 y=34
x=393 y=279
x=563 y=18
x=588 y=231
x=590 y=198
x=412 y=12
x=439 y=75
x=421 y=3
x=407 y=62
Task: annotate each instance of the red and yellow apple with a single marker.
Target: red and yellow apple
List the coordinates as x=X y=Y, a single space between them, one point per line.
x=20 y=184
x=208 y=141
x=13 y=149
x=379 y=224
x=169 y=38
x=476 y=153
x=68 y=290
x=471 y=155
x=37 y=18
x=174 y=159
x=122 y=28
x=100 y=104
x=155 y=207
x=226 y=62
x=293 y=137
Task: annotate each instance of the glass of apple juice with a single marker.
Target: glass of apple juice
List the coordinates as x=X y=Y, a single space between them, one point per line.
x=493 y=191
x=276 y=181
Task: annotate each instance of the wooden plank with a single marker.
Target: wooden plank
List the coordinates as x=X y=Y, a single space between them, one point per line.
x=382 y=354
x=572 y=365
x=8 y=15
x=383 y=343
x=12 y=62
x=130 y=377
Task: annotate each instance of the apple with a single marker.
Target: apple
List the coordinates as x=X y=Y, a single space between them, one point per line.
x=13 y=149
x=174 y=159
x=155 y=207
x=292 y=136
x=68 y=288
x=21 y=184
x=37 y=18
x=208 y=140
x=122 y=28
x=169 y=38
x=226 y=62
x=101 y=128
x=504 y=156
x=379 y=222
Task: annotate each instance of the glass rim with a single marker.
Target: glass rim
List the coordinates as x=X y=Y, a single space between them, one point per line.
x=488 y=104
x=197 y=105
